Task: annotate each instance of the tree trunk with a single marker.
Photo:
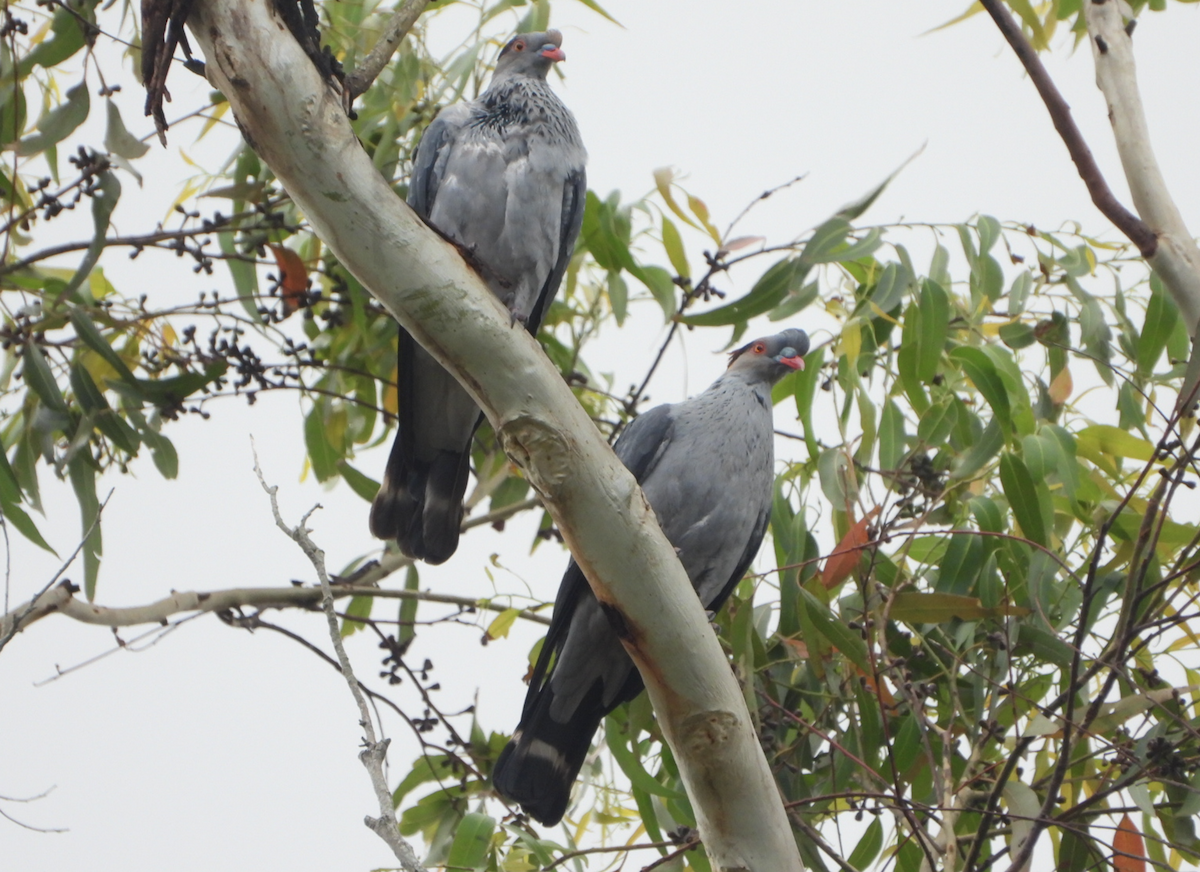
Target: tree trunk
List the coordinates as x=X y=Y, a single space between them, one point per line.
x=296 y=124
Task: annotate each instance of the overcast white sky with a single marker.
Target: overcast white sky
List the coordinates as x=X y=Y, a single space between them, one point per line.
x=218 y=749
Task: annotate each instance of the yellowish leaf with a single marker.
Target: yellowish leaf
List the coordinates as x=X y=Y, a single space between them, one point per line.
x=1061 y=386
x=498 y=629
x=664 y=177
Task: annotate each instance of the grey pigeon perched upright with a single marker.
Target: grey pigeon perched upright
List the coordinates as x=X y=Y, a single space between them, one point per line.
x=707 y=468
x=502 y=176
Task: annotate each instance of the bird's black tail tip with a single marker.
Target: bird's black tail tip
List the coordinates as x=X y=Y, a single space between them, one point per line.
x=538 y=776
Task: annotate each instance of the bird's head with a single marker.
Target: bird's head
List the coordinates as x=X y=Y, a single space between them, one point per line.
x=772 y=357
x=531 y=54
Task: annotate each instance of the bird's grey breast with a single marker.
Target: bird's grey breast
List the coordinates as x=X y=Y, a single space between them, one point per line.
x=501 y=194
x=714 y=480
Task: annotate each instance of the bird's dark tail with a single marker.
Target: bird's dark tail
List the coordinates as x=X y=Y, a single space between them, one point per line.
x=538 y=767
x=420 y=504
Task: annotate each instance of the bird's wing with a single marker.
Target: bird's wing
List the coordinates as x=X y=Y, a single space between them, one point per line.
x=644 y=441
x=429 y=164
x=573 y=199
x=714 y=602
x=638 y=448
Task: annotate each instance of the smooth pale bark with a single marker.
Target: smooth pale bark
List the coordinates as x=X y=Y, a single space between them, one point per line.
x=1177 y=260
x=296 y=124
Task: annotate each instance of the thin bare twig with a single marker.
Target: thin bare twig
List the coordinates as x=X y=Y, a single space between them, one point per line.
x=374 y=751
x=1060 y=113
x=396 y=29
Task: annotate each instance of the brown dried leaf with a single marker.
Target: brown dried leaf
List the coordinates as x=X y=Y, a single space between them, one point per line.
x=1129 y=851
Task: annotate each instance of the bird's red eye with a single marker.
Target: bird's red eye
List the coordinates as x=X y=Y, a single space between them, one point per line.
x=759 y=348
x=518 y=46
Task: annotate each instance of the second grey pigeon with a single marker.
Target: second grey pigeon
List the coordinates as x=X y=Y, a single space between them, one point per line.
x=503 y=177
x=707 y=468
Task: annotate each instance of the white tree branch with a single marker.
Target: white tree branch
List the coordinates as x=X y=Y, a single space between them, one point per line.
x=1177 y=259
x=62 y=600
x=296 y=124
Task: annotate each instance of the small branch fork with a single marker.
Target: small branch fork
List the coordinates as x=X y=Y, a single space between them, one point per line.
x=1060 y=113
x=401 y=22
x=375 y=751
x=1160 y=234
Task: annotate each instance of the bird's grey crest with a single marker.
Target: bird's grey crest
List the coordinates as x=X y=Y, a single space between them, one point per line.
x=503 y=177
x=707 y=468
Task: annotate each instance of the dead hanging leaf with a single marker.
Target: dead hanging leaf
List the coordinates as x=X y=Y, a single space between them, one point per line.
x=1129 y=852
x=878 y=686
x=1061 y=387
x=293 y=278
x=797 y=648
x=739 y=243
x=844 y=558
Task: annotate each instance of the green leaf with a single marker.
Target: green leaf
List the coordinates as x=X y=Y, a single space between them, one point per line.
x=837 y=478
x=118 y=139
x=323 y=456
x=107 y=421
x=162 y=452
x=59 y=123
x=618 y=296
x=1104 y=439
x=937 y=608
x=1161 y=316
x=1018 y=292
x=868 y=846
x=982 y=373
x=87 y=331
x=83 y=480
x=890 y=288
x=806 y=389
x=673 y=244
x=41 y=380
x=985 y=448
x=937 y=422
x=363 y=485
x=1077 y=852
x=12 y=123
x=631 y=765
x=795 y=302
x=893 y=440
x=855 y=208
x=781 y=279
x=1024 y=497
x=472 y=839
x=825 y=239
x=431 y=767
x=104 y=200
x=359 y=607
x=18 y=517
x=600 y=235
x=1017 y=335
x=68 y=37
x=407 y=630
x=849 y=642
x=934 y=309
x=661 y=286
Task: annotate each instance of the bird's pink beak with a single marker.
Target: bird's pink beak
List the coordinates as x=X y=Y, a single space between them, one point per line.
x=554 y=53
x=792 y=362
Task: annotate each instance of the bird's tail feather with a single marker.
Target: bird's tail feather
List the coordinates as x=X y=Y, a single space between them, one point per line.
x=420 y=504
x=539 y=765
